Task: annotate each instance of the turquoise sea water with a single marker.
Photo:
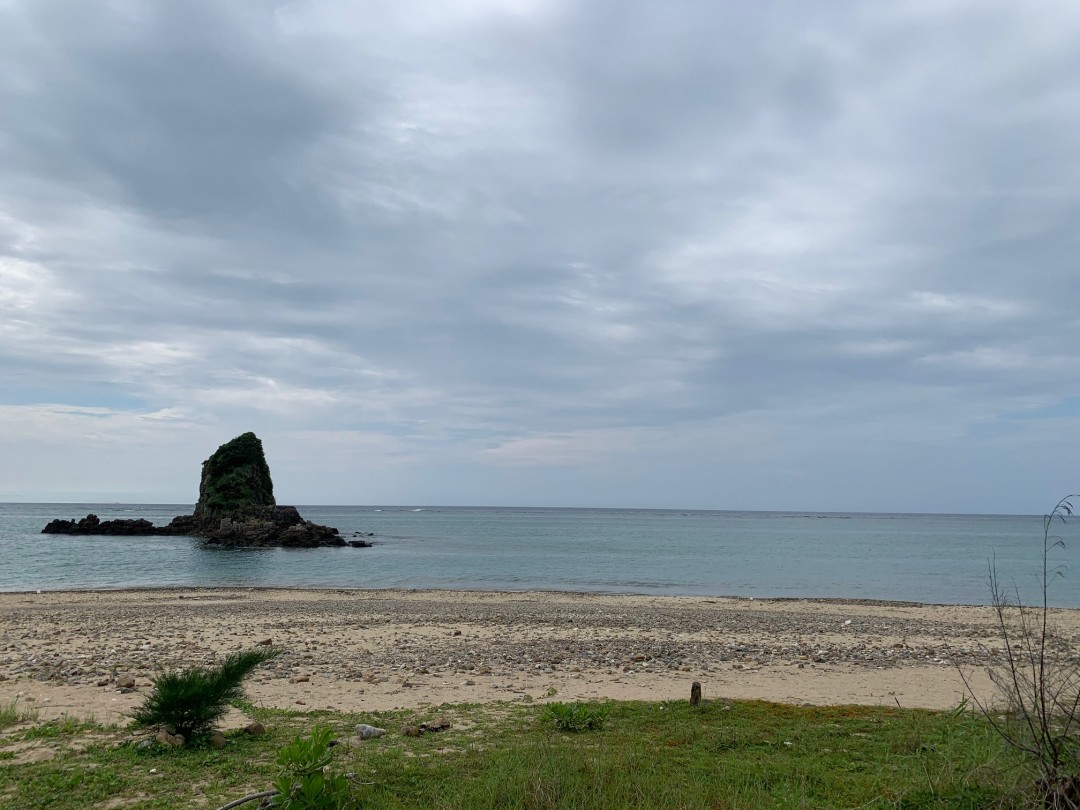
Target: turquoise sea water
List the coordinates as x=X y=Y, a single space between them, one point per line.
x=922 y=558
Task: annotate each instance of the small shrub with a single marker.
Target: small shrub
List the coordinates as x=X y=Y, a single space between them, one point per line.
x=304 y=782
x=192 y=701
x=1039 y=682
x=576 y=717
x=10 y=714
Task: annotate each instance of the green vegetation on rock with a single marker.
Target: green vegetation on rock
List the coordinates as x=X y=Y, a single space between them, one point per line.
x=235 y=480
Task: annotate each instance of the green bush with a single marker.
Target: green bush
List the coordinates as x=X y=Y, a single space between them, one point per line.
x=303 y=782
x=192 y=701
x=576 y=717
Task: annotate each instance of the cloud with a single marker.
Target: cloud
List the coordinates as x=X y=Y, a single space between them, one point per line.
x=611 y=253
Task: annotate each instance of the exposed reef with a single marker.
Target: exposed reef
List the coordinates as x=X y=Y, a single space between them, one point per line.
x=236 y=507
x=92 y=524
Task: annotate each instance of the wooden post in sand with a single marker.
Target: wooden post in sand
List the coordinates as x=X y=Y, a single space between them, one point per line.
x=695 y=693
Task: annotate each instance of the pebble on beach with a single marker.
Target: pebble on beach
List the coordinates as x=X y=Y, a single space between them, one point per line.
x=496 y=644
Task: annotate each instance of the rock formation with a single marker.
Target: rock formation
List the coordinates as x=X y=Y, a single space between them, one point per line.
x=236 y=508
x=92 y=524
x=235 y=482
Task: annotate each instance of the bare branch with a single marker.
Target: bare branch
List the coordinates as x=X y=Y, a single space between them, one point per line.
x=249 y=798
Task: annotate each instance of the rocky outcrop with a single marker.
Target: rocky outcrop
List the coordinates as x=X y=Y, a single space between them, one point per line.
x=236 y=507
x=92 y=524
x=270 y=526
x=235 y=482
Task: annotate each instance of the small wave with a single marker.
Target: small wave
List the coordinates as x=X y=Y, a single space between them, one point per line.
x=416 y=510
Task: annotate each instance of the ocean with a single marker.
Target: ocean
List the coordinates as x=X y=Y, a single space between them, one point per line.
x=901 y=557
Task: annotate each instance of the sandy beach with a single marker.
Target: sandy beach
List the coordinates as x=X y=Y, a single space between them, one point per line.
x=70 y=652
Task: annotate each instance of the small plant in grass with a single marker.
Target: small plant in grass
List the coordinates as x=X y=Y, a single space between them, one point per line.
x=10 y=714
x=576 y=717
x=1039 y=682
x=60 y=727
x=304 y=781
x=190 y=703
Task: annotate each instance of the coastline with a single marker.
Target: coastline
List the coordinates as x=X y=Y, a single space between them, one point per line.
x=375 y=649
x=151 y=589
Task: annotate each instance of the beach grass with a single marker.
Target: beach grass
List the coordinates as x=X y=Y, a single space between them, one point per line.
x=721 y=754
x=11 y=714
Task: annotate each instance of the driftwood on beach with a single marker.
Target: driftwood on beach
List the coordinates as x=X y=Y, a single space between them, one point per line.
x=236 y=507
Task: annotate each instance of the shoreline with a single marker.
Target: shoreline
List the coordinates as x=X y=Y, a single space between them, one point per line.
x=834 y=600
x=65 y=652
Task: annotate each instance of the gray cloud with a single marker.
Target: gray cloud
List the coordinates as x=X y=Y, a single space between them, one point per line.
x=605 y=253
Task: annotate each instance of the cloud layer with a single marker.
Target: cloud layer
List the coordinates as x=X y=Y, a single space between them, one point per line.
x=540 y=252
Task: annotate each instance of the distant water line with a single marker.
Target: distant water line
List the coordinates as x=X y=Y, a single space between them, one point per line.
x=917 y=558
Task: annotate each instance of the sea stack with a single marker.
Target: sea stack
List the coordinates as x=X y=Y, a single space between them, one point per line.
x=236 y=508
x=235 y=482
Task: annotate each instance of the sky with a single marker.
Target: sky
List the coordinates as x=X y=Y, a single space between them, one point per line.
x=614 y=253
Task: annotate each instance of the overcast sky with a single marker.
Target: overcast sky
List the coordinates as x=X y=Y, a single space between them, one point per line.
x=811 y=256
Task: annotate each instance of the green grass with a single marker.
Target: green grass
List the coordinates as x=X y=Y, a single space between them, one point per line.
x=61 y=727
x=11 y=715
x=650 y=755
x=576 y=717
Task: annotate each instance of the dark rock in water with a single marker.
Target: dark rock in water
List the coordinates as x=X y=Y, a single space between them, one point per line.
x=181 y=524
x=92 y=524
x=270 y=526
x=235 y=482
x=236 y=508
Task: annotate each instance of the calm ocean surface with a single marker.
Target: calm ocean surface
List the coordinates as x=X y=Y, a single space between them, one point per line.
x=922 y=558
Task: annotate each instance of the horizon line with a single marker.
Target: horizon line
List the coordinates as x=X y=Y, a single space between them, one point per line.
x=522 y=506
